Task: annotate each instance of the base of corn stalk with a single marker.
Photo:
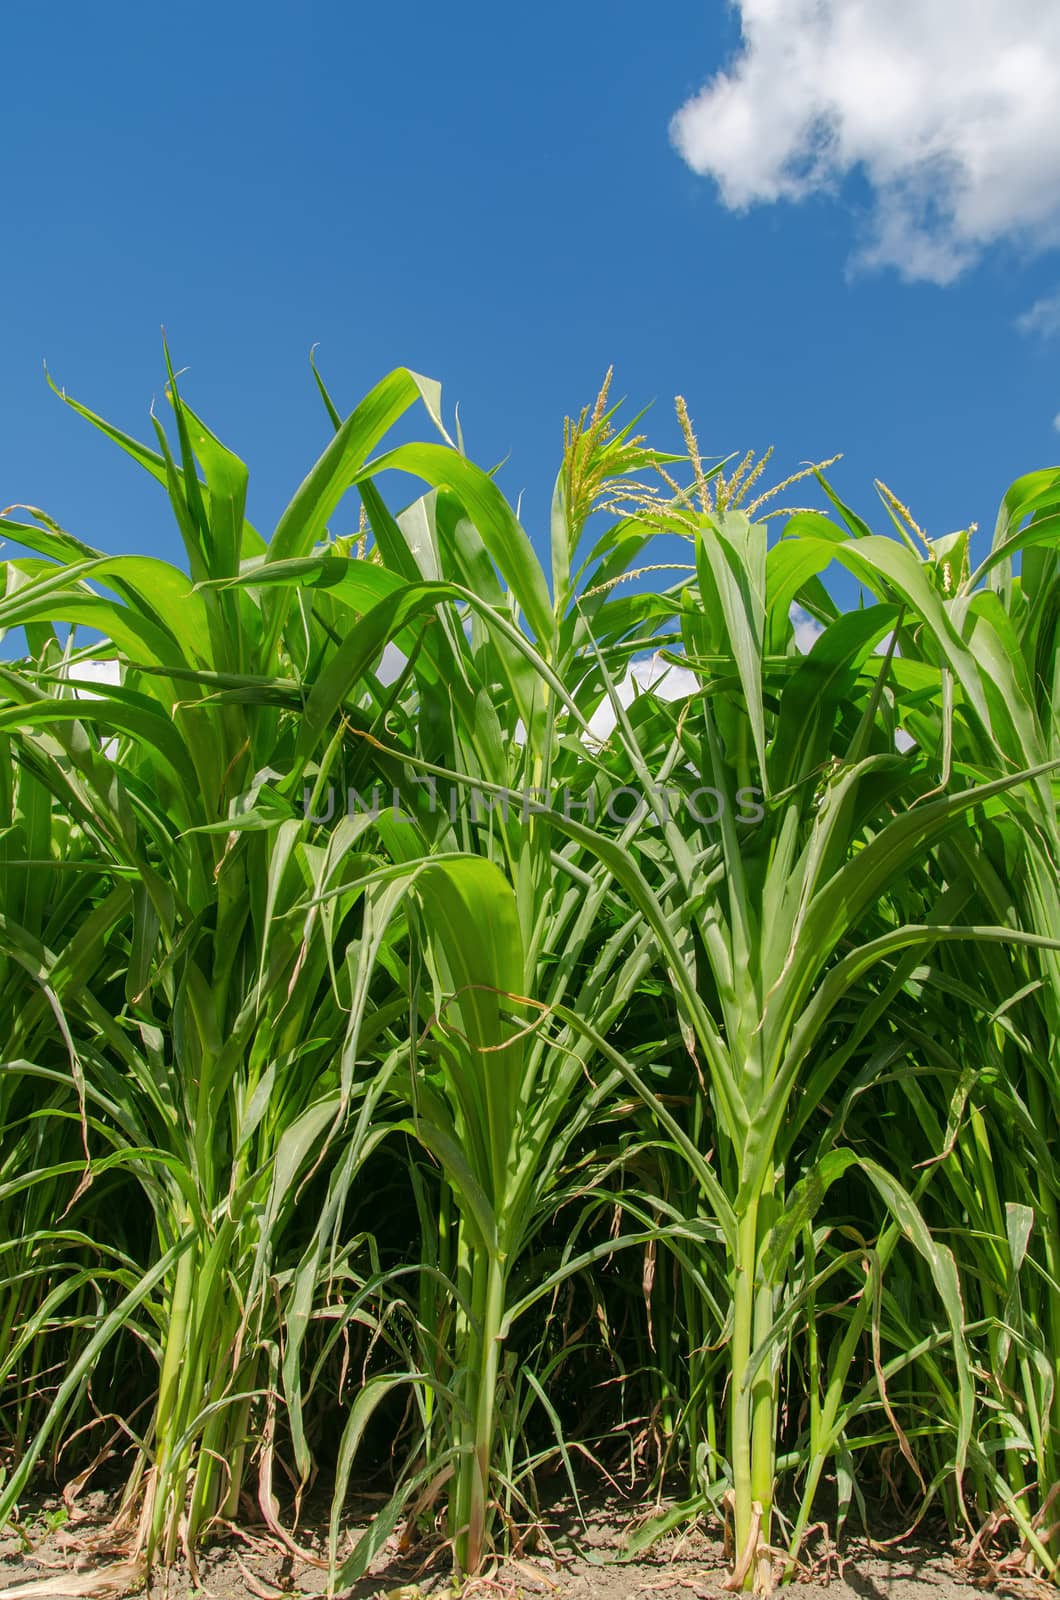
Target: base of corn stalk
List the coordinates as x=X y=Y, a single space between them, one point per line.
x=756 y=1555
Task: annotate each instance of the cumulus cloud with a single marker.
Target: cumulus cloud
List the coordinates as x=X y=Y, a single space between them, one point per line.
x=1056 y=422
x=105 y=670
x=672 y=682
x=651 y=672
x=1042 y=318
x=807 y=629
x=948 y=109
x=391 y=664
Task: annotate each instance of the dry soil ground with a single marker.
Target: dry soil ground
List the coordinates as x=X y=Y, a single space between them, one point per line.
x=63 y=1561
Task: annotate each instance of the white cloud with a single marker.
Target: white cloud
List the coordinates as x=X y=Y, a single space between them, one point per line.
x=651 y=672
x=1042 y=318
x=807 y=629
x=105 y=671
x=1056 y=422
x=391 y=663
x=949 y=109
x=672 y=682
x=668 y=681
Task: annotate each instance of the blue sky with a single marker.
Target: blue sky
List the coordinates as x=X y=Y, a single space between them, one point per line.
x=493 y=196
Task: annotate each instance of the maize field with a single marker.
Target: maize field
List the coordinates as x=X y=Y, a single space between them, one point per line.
x=426 y=1063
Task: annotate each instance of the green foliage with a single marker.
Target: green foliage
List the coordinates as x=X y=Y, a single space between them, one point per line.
x=489 y=1117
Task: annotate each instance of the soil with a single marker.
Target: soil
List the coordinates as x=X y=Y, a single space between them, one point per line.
x=68 y=1558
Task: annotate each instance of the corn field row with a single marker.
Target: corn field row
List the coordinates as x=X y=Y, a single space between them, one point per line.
x=385 y=1101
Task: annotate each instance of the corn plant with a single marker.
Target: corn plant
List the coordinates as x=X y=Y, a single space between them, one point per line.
x=770 y=930
x=224 y=1069
x=727 y=1028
